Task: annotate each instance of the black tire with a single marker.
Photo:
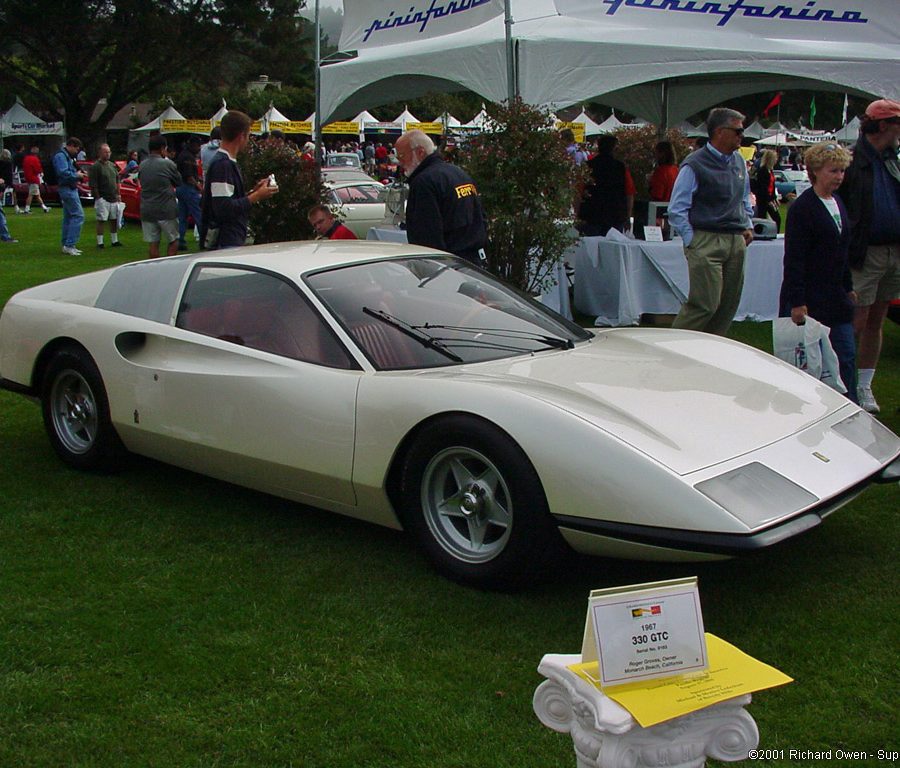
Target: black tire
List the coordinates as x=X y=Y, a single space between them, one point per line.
x=474 y=502
x=76 y=413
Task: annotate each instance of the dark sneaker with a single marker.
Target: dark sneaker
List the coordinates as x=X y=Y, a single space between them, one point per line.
x=100 y=245
x=116 y=244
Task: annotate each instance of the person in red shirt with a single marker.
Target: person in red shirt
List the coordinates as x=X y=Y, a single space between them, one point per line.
x=33 y=172
x=326 y=226
x=663 y=177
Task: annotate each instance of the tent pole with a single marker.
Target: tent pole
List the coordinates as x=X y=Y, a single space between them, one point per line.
x=317 y=123
x=510 y=66
x=664 y=116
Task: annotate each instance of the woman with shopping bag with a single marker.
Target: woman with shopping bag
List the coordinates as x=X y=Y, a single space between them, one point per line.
x=817 y=281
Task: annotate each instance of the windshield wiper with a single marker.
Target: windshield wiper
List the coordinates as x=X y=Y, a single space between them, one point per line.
x=509 y=333
x=412 y=331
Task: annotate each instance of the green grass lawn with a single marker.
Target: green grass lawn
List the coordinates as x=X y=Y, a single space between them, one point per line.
x=158 y=618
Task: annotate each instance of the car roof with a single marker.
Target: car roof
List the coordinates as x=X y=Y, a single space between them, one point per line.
x=150 y=287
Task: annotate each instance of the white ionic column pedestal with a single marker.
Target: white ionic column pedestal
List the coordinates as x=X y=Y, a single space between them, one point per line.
x=605 y=735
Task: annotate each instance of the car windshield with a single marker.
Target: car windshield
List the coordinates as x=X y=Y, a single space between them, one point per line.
x=359 y=193
x=425 y=312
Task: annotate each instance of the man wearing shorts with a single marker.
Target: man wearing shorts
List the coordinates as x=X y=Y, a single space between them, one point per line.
x=159 y=179
x=103 y=177
x=33 y=172
x=871 y=192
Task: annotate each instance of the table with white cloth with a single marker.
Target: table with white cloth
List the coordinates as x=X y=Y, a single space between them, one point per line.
x=618 y=280
x=554 y=296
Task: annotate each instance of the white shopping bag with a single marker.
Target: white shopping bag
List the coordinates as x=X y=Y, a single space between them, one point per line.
x=808 y=348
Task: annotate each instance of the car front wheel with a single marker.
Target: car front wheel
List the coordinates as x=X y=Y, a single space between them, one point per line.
x=474 y=501
x=76 y=412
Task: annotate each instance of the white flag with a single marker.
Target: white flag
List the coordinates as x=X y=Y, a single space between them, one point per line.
x=844 y=113
x=369 y=23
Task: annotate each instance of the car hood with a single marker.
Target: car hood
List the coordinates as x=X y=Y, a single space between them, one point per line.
x=689 y=400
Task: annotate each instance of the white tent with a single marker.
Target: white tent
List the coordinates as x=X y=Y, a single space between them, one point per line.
x=479 y=121
x=650 y=59
x=362 y=118
x=18 y=121
x=217 y=118
x=591 y=128
x=692 y=131
x=405 y=117
x=849 y=133
x=272 y=116
x=753 y=131
x=170 y=113
x=773 y=129
x=611 y=124
x=782 y=139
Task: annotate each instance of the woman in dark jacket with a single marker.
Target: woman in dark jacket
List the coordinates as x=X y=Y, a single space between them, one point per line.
x=817 y=279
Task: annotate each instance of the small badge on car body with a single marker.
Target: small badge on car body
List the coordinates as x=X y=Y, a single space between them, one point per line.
x=821 y=457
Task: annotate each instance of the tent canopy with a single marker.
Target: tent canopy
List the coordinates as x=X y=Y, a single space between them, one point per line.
x=18 y=121
x=630 y=60
x=170 y=113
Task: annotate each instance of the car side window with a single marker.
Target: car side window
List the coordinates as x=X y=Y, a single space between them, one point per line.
x=261 y=311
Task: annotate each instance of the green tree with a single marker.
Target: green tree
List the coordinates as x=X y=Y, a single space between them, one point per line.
x=67 y=55
x=527 y=185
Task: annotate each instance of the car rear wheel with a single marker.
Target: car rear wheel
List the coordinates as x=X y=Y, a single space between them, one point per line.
x=476 y=505
x=76 y=412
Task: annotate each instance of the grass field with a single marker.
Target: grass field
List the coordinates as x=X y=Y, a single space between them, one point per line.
x=159 y=618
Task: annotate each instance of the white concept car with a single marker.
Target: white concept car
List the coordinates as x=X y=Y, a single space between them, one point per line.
x=406 y=387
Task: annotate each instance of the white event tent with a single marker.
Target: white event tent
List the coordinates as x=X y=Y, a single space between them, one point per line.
x=664 y=61
x=591 y=128
x=170 y=113
x=19 y=121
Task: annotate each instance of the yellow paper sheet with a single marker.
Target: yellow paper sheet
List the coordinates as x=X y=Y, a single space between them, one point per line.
x=731 y=673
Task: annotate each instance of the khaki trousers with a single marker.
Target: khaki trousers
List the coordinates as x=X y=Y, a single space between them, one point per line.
x=716 y=270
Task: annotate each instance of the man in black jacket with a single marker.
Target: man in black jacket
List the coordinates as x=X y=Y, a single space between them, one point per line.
x=443 y=209
x=609 y=197
x=871 y=192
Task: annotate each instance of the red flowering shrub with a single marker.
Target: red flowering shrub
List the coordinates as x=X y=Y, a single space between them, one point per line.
x=282 y=217
x=527 y=184
x=635 y=149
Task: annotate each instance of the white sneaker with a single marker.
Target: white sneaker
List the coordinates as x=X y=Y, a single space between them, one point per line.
x=70 y=251
x=46 y=209
x=867 y=400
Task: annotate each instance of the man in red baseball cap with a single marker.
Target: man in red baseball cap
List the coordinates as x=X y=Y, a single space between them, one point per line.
x=871 y=192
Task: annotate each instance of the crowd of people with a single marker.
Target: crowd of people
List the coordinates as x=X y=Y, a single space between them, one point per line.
x=842 y=235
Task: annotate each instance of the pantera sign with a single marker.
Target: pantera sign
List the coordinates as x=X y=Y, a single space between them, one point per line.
x=373 y=23
x=860 y=20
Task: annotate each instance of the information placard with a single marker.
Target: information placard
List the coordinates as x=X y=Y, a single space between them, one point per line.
x=653 y=234
x=645 y=631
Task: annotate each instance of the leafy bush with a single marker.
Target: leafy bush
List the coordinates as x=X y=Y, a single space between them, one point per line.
x=527 y=185
x=283 y=216
x=635 y=149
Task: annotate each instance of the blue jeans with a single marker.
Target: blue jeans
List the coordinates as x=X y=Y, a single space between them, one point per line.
x=841 y=338
x=4 y=230
x=188 y=205
x=73 y=216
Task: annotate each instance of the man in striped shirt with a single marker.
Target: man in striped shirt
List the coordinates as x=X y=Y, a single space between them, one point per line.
x=226 y=204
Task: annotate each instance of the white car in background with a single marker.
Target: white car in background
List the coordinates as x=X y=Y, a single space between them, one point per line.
x=342 y=160
x=359 y=204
